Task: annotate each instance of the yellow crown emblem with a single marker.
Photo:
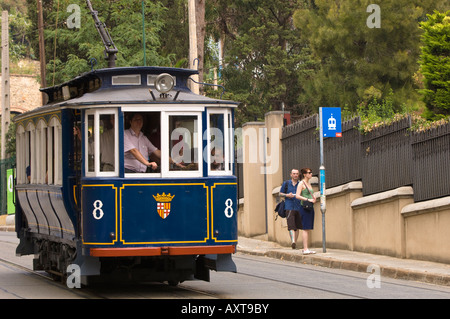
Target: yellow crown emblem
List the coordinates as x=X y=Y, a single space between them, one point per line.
x=163 y=198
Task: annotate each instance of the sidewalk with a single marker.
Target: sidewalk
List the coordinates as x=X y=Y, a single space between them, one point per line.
x=407 y=269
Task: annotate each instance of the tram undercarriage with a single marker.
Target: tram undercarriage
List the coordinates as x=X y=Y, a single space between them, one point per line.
x=56 y=257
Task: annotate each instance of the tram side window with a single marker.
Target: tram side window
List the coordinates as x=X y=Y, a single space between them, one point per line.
x=183 y=143
x=30 y=155
x=90 y=143
x=220 y=143
x=41 y=152
x=20 y=155
x=107 y=142
x=101 y=143
x=54 y=152
x=48 y=152
x=217 y=142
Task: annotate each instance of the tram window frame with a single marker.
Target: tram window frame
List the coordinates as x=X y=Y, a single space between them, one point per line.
x=41 y=152
x=54 y=155
x=20 y=154
x=228 y=142
x=196 y=146
x=30 y=151
x=92 y=143
x=39 y=148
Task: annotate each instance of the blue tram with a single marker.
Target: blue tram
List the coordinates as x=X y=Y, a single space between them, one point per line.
x=79 y=203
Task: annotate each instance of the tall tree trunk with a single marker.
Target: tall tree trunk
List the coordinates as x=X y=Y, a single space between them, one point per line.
x=201 y=30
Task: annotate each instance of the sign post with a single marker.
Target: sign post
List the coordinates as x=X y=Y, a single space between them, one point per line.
x=330 y=126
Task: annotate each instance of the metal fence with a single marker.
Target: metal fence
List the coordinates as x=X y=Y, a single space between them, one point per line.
x=300 y=142
x=341 y=155
x=385 y=158
x=431 y=163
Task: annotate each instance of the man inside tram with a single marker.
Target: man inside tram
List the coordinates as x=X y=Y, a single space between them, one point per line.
x=138 y=148
x=139 y=151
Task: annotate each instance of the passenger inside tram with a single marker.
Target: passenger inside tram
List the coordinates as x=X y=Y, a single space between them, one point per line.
x=141 y=155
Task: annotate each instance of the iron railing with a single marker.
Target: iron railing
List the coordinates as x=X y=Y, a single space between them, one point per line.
x=387 y=157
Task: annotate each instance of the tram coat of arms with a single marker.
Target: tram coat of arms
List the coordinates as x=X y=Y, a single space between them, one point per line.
x=163 y=204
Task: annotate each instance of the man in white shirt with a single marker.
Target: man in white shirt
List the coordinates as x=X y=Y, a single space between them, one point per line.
x=138 y=148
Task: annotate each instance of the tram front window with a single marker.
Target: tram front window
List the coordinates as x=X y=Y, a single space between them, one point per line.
x=142 y=142
x=163 y=143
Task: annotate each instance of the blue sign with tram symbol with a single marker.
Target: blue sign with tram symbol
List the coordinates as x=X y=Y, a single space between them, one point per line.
x=331 y=122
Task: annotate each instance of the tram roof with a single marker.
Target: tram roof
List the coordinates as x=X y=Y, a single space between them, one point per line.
x=97 y=87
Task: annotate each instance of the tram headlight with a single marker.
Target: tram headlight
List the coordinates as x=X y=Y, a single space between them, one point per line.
x=164 y=83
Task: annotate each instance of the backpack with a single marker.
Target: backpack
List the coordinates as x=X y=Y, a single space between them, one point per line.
x=280 y=206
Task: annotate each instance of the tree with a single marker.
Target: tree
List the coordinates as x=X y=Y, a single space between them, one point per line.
x=356 y=58
x=174 y=32
x=70 y=50
x=19 y=28
x=264 y=55
x=435 y=64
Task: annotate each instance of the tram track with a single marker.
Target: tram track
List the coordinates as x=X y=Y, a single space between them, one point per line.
x=9 y=244
x=114 y=290
x=317 y=271
x=301 y=285
x=48 y=279
x=287 y=280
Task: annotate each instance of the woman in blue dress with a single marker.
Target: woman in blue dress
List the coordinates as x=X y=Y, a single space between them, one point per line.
x=306 y=194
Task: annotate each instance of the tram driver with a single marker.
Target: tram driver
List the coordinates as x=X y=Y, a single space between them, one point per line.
x=138 y=148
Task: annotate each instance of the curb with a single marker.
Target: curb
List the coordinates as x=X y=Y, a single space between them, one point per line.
x=385 y=271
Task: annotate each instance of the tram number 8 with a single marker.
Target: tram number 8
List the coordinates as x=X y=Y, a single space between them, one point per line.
x=229 y=208
x=98 y=211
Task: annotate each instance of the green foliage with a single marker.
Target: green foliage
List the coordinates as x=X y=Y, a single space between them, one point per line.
x=376 y=111
x=300 y=54
x=264 y=56
x=19 y=29
x=70 y=50
x=435 y=64
x=354 y=57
